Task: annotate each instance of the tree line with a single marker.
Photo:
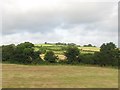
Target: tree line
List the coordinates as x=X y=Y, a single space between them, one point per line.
x=24 y=53
x=73 y=44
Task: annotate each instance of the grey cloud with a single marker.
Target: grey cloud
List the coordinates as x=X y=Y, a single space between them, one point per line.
x=66 y=21
x=61 y=35
x=68 y=13
x=31 y=22
x=78 y=12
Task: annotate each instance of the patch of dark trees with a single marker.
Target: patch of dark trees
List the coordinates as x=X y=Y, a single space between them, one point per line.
x=24 y=53
x=72 y=44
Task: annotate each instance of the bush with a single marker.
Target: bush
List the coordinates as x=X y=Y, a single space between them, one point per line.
x=8 y=52
x=36 y=58
x=72 y=53
x=62 y=62
x=50 y=57
x=37 y=61
x=42 y=50
x=108 y=55
x=22 y=53
x=87 y=58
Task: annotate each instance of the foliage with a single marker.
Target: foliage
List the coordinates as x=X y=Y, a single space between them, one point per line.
x=108 y=55
x=8 y=51
x=42 y=50
x=50 y=57
x=60 y=43
x=87 y=58
x=22 y=53
x=72 y=53
x=71 y=44
x=25 y=53
x=89 y=45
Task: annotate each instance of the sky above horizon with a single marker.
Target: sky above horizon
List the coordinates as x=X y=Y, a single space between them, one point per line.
x=70 y=21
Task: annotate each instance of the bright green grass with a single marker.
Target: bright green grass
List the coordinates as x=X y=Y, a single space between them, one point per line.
x=90 y=48
x=59 y=52
x=36 y=48
x=59 y=48
x=58 y=76
x=44 y=44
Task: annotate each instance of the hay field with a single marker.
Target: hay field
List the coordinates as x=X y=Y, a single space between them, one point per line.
x=58 y=76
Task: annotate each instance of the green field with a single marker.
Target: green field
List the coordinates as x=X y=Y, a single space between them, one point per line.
x=54 y=47
x=58 y=76
x=58 y=49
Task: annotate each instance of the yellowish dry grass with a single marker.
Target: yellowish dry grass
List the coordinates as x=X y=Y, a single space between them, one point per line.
x=0 y=75
x=61 y=57
x=58 y=76
x=89 y=48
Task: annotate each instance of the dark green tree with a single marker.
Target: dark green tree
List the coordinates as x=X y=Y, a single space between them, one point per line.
x=50 y=57
x=8 y=52
x=24 y=52
x=89 y=45
x=107 y=55
x=72 y=53
x=87 y=58
x=36 y=58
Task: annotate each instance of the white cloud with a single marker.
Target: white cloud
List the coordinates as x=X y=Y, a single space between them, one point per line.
x=59 y=20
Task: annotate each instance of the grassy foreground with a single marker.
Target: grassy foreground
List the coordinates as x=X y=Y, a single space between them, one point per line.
x=58 y=76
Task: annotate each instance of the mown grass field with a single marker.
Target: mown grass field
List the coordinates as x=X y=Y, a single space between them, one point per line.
x=58 y=76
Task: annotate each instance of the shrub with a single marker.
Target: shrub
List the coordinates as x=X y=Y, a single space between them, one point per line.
x=108 y=55
x=72 y=53
x=22 y=53
x=50 y=57
x=62 y=62
x=42 y=50
x=87 y=58
x=8 y=52
x=37 y=61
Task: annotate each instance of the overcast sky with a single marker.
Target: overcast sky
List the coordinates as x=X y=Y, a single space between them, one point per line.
x=40 y=21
